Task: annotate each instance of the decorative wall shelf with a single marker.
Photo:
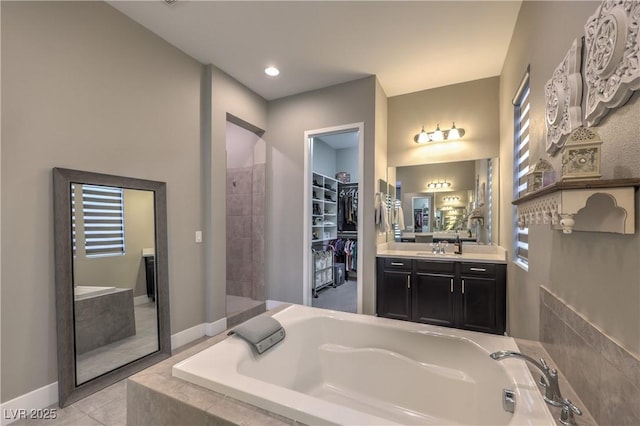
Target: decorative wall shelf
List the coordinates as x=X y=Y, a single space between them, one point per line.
x=587 y=205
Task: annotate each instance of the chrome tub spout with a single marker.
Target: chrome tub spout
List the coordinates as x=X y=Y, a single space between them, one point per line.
x=549 y=381
x=552 y=393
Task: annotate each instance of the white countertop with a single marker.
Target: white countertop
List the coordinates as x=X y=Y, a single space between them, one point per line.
x=470 y=253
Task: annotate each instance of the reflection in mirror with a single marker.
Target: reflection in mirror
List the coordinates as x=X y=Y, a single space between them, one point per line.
x=111 y=279
x=422 y=212
x=460 y=200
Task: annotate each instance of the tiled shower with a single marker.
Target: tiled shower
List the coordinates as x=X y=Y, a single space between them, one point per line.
x=245 y=231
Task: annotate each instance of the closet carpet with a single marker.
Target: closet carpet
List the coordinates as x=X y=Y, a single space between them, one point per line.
x=341 y=298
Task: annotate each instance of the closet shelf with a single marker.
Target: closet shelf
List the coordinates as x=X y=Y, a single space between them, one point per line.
x=585 y=205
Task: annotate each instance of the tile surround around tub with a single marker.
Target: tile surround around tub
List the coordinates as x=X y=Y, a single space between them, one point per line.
x=604 y=374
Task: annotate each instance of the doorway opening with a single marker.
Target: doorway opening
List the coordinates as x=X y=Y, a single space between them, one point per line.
x=245 y=217
x=332 y=220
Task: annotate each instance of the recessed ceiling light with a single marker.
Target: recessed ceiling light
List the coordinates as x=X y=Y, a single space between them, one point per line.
x=271 y=71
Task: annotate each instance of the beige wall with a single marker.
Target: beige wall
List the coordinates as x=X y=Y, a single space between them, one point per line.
x=595 y=273
x=289 y=118
x=86 y=88
x=461 y=174
x=472 y=105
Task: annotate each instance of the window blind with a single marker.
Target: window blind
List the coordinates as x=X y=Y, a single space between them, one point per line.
x=521 y=164
x=103 y=211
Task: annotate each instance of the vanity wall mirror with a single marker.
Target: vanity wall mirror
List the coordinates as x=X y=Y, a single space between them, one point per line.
x=112 y=291
x=452 y=197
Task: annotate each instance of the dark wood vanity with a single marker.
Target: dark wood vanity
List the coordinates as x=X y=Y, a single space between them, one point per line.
x=450 y=293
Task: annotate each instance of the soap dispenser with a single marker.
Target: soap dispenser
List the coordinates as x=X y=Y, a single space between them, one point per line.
x=457 y=246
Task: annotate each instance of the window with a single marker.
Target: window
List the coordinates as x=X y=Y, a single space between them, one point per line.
x=489 y=201
x=102 y=220
x=521 y=165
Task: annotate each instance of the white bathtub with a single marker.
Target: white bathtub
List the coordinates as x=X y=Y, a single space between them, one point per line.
x=83 y=291
x=340 y=368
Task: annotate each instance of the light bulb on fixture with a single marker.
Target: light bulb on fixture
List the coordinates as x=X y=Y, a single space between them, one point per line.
x=422 y=137
x=453 y=133
x=437 y=135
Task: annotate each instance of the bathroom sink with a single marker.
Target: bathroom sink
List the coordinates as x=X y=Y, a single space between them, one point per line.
x=424 y=253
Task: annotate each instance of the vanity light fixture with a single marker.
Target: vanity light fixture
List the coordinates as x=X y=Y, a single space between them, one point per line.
x=271 y=71
x=439 y=135
x=439 y=185
x=451 y=198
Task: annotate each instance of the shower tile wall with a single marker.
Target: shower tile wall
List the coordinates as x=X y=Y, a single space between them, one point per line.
x=604 y=374
x=245 y=232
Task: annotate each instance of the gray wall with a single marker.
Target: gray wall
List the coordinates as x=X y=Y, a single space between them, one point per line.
x=226 y=97
x=289 y=118
x=86 y=88
x=597 y=274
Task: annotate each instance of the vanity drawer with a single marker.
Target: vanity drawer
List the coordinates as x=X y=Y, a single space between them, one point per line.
x=398 y=263
x=435 y=266
x=478 y=269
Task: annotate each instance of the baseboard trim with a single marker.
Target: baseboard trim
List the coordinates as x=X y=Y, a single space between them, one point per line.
x=141 y=300
x=213 y=328
x=273 y=304
x=20 y=407
x=187 y=336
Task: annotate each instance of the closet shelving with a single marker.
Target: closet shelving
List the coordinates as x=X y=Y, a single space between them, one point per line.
x=324 y=211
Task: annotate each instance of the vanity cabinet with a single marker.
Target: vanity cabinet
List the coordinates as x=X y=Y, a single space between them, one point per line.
x=465 y=295
x=483 y=297
x=433 y=300
x=396 y=303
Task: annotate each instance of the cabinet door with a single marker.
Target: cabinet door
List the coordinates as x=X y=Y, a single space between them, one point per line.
x=395 y=295
x=433 y=299
x=479 y=305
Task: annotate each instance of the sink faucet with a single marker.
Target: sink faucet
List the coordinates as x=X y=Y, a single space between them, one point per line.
x=549 y=381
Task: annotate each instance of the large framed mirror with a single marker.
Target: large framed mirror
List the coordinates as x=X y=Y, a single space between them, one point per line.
x=111 y=277
x=441 y=200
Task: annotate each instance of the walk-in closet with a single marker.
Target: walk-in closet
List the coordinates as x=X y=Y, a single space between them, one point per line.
x=334 y=221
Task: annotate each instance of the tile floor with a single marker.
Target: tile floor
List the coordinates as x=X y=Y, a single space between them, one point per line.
x=107 y=357
x=107 y=407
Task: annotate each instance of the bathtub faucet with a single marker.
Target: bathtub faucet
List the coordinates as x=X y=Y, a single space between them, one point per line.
x=549 y=381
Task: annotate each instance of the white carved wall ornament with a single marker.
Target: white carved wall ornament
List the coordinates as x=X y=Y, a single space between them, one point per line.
x=563 y=99
x=612 y=63
x=558 y=209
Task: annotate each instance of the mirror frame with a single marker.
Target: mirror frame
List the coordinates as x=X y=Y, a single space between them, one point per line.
x=494 y=237
x=68 y=391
